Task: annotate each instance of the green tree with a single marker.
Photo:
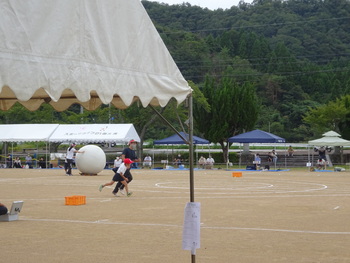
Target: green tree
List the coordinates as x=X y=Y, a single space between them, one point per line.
x=234 y=108
x=330 y=116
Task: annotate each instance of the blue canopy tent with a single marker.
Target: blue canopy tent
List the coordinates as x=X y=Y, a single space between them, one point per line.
x=176 y=139
x=256 y=136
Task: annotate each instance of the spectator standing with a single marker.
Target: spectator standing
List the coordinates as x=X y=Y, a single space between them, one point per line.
x=274 y=156
x=147 y=162
x=257 y=161
x=322 y=152
x=290 y=151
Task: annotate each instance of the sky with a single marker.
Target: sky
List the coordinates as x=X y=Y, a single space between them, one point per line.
x=210 y=4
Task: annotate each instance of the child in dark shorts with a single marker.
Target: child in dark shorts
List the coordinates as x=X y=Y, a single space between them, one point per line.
x=120 y=177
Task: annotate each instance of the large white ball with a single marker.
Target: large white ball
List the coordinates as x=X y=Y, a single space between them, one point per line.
x=92 y=161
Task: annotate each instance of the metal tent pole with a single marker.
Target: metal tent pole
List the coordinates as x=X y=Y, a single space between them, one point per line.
x=190 y=143
x=191 y=148
x=190 y=106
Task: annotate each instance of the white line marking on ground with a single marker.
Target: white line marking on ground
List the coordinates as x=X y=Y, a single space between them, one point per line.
x=106 y=222
x=107 y=200
x=280 y=187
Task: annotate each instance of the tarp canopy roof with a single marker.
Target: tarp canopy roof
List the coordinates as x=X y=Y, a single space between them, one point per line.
x=95 y=133
x=256 y=136
x=330 y=138
x=176 y=139
x=331 y=134
x=86 y=52
x=26 y=132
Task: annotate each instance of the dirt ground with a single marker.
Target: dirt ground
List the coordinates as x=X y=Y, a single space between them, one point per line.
x=260 y=217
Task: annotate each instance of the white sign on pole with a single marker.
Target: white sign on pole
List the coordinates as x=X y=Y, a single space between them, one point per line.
x=191 y=228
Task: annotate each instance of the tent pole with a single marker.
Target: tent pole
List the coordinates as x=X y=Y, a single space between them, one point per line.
x=12 y=155
x=169 y=124
x=153 y=161
x=190 y=106
x=228 y=155
x=191 y=148
x=190 y=143
x=46 y=154
x=240 y=156
x=37 y=155
x=285 y=156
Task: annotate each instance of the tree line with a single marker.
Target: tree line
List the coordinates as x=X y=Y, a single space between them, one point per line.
x=273 y=65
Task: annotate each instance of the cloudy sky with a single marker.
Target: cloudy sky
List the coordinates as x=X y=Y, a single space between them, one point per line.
x=211 y=4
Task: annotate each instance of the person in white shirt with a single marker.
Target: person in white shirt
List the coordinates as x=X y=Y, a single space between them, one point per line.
x=274 y=156
x=257 y=161
x=117 y=162
x=120 y=177
x=147 y=162
x=17 y=163
x=210 y=162
x=321 y=164
x=202 y=162
x=69 y=159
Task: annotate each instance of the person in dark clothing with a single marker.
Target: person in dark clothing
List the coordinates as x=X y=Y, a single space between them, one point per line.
x=322 y=153
x=17 y=163
x=42 y=163
x=129 y=153
x=120 y=177
x=9 y=161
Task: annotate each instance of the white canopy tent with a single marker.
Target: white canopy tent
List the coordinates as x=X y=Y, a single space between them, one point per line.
x=330 y=138
x=26 y=132
x=95 y=133
x=87 y=52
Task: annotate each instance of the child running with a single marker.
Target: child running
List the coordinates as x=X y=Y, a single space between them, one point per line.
x=120 y=177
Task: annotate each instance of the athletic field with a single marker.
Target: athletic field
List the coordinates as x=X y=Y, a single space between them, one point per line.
x=260 y=217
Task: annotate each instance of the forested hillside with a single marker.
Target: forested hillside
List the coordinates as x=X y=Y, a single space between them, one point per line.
x=277 y=58
x=297 y=53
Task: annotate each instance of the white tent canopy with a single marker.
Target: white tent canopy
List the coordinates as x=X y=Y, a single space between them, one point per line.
x=330 y=138
x=26 y=132
x=86 y=52
x=95 y=133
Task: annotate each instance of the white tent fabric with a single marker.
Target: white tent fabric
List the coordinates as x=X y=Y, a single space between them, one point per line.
x=26 y=132
x=95 y=133
x=87 y=52
x=330 y=138
x=331 y=134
